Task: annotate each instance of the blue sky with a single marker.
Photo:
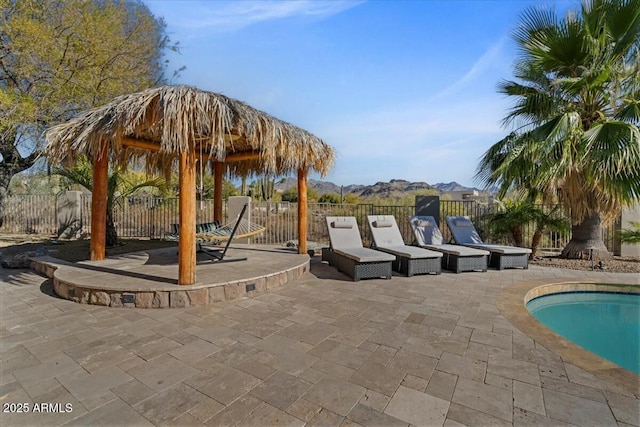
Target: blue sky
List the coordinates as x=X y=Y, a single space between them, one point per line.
x=400 y=89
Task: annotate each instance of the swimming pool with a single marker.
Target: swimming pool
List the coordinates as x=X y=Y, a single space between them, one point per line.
x=604 y=323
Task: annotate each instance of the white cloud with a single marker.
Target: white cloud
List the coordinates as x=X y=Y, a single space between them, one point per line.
x=490 y=59
x=225 y=16
x=437 y=139
x=408 y=127
x=432 y=143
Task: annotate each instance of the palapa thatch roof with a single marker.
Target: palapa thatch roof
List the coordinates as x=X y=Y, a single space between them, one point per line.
x=152 y=127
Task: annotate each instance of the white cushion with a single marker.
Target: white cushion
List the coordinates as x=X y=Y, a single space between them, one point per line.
x=412 y=252
x=341 y=224
x=457 y=250
x=507 y=250
x=365 y=255
x=382 y=224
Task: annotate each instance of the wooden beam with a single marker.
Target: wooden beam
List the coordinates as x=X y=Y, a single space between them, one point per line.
x=302 y=211
x=218 y=171
x=187 y=215
x=229 y=137
x=140 y=143
x=246 y=155
x=99 y=194
x=154 y=146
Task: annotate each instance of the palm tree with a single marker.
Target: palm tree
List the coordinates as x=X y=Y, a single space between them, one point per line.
x=120 y=186
x=576 y=115
x=510 y=218
x=546 y=221
x=631 y=236
x=514 y=216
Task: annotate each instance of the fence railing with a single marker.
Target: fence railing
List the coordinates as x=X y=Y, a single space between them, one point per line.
x=150 y=217
x=29 y=214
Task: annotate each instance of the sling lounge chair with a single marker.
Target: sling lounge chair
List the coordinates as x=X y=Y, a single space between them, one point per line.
x=217 y=254
x=349 y=256
x=409 y=260
x=502 y=256
x=214 y=232
x=455 y=258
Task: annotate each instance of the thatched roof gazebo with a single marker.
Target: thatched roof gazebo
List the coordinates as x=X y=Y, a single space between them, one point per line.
x=170 y=126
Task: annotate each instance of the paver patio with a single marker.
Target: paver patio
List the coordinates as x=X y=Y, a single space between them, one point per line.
x=425 y=350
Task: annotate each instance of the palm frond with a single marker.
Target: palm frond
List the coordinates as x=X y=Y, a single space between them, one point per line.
x=622 y=23
x=81 y=174
x=630 y=236
x=630 y=113
x=576 y=109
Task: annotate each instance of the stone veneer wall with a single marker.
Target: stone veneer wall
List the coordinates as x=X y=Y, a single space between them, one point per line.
x=170 y=298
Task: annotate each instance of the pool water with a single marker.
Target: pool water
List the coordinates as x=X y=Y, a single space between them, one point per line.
x=604 y=323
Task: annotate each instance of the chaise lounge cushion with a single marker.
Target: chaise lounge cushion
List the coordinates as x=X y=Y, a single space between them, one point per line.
x=428 y=236
x=364 y=255
x=380 y=223
x=412 y=252
x=507 y=250
x=456 y=250
x=465 y=233
x=387 y=237
x=341 y=224
x=346 y=241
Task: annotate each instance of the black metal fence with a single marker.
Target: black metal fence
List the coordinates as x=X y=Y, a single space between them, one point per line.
x=481 y=214
x=150 y=217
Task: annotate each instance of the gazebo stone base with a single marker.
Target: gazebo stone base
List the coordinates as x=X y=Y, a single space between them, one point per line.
x=130 y=293
x=174 y=299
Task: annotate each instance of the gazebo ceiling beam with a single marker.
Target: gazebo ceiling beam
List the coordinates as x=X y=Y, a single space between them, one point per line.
x=244 y=155
x=153 y=146
x=227 y=137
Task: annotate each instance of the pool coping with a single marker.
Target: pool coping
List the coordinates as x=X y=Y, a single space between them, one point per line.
x=512 y=300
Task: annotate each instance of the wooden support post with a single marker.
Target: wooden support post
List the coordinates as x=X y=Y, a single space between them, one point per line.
x=99 y=204
x=302 y=211
x=218 y=171
x=187 y=203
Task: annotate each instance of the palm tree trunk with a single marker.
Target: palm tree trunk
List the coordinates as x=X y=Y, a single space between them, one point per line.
x=517 y=235
x=586 y=235
x=535 y=242
x=112 y=235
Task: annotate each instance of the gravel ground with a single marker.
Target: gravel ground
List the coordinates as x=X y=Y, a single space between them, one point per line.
x=615 y=264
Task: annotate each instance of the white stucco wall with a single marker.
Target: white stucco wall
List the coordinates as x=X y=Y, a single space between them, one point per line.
x=628 y=216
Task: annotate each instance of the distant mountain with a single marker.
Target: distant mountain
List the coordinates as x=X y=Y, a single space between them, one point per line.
x=395 y=187
x=452 y=186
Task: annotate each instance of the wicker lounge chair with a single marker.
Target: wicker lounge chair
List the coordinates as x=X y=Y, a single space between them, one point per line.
x=349 y=256
x=409 y=260
x=502 y=256
x=455 y=258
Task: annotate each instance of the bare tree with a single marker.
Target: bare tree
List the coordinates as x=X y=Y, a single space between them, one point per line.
x=60 y=57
